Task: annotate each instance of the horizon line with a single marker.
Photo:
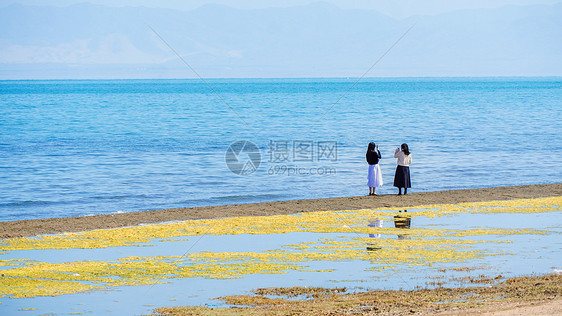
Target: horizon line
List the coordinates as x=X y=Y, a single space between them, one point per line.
x=292 y=78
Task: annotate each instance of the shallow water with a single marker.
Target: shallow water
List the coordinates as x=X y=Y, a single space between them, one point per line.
x=82 y=147
x=327 y=249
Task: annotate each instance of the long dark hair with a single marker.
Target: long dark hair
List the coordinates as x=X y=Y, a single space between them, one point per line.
x=405 y=149
x=371 y=147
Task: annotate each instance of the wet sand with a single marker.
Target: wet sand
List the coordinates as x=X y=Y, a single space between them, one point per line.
x=11 y=229
x=535 y=295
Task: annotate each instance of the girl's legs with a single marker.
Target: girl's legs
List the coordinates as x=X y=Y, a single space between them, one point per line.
x=399 y=191
x=405 y=191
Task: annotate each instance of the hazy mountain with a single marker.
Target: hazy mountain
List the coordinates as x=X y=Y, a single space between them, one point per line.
x=93 y=41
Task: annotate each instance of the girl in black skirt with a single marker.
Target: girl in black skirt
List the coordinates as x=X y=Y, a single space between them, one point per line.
x=402 y=175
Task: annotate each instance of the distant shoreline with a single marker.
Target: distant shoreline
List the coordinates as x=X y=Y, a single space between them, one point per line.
x=27 y=228
x=503 y=77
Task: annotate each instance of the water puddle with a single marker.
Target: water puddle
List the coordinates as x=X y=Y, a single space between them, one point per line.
x=136 y=269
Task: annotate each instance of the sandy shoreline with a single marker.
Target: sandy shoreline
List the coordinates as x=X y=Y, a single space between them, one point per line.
x=530 y=295
x=28 y=228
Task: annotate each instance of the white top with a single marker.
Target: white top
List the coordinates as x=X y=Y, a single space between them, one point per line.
x=403 y=160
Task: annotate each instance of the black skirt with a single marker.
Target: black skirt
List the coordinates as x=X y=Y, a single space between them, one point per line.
x=402 y=177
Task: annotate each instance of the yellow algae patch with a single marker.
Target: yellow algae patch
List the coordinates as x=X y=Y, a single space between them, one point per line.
x=13 y=262
x=47 y=279
x=538 y=205
x=103 y=238
x=27 y=287
x=320 y=222
x=413 y=247
x=43 y=279
x=431 y=232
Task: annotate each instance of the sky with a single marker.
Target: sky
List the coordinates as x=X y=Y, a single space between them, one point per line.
x=394 y=8
x=71 y=39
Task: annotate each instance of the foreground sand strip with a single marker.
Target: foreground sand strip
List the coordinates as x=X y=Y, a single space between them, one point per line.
x=514 y=296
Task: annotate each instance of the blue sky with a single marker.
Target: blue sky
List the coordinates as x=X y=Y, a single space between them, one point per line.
x=63 y=39
x=394 y=8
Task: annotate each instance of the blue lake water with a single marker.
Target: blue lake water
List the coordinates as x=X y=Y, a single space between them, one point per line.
x=84 y=147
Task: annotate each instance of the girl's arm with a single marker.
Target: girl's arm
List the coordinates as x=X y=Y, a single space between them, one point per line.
x=396 y=152
x=379 y=154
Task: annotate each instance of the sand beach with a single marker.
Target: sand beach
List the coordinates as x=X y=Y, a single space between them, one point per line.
x=519 y=296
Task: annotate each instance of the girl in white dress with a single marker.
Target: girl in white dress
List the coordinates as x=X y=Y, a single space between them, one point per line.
x=374 y=176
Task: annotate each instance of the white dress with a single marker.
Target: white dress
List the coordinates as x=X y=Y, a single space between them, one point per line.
x=374 y=176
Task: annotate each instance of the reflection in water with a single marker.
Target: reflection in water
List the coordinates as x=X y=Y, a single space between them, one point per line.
x=374 y=223
x=402 y=221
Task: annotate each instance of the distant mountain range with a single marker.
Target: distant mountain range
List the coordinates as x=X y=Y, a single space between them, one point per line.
x=316 y=40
